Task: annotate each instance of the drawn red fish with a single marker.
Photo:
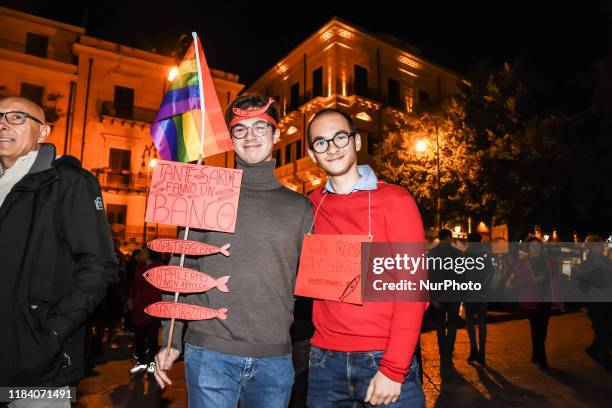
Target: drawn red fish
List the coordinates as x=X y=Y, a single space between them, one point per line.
x=187 y=247
x=184 y=280
x=183 y=311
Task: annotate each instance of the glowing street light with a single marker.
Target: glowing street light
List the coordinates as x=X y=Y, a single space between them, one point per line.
x=174 y=71
x=421 y=146
x=152 y=163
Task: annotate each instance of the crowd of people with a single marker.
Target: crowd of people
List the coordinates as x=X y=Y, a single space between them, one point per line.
x=533 y=282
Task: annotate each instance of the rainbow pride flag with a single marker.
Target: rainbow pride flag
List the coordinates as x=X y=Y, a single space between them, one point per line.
x=177 y=127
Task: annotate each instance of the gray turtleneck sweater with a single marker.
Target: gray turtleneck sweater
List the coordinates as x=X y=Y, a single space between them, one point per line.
x=262 y=266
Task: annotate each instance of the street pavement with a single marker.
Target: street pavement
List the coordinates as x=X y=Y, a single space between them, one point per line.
x=508 y=380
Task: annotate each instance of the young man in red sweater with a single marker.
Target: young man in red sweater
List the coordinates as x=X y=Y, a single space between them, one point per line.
x=364 y=354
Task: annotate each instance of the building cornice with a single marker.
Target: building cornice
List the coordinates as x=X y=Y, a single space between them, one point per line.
x=25 y=62
x=344 y=29
x=79 y=49
x=41 y=20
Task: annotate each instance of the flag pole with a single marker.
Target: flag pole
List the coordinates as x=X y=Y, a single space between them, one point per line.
x=200 y=158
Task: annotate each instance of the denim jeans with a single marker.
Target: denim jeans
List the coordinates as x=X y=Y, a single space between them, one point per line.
x=341 y=379
x=220 y=380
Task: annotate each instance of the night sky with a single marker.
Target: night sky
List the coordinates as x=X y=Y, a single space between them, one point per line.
x=247 y=38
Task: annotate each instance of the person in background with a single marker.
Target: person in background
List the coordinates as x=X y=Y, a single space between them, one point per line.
x=146 y=328
x=596 y=273
x=476 y=311
x=447 y=312
x=534 y=279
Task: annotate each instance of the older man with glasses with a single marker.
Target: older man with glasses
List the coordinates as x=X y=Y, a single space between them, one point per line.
x=56 y=254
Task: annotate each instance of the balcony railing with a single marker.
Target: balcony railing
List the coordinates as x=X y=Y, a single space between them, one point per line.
x=133 y=233
x=127 y=182
x=130 y=113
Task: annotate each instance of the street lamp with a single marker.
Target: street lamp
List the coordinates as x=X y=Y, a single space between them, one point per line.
x=421 y=146
x=173 y=73
x=149 y=160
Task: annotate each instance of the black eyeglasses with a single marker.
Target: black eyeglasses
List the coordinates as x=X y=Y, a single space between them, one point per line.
x=259 y=129
x=18 y=118
x=340 y=139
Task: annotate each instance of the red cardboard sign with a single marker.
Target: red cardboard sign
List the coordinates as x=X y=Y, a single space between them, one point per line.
x=330 y=267
x=181 y=246
x=183 y=311
x=190 y=195
x=184 y=280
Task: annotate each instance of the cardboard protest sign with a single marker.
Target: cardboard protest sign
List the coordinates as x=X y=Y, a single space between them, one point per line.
x=187 y=247
x=330 y=268
x=191 y=195
x=183 y=311
x=184 y=280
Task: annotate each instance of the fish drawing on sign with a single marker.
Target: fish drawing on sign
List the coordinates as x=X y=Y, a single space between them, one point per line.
x=183 y=311
x=184 y=280
x=187 y=247
x=350 y=287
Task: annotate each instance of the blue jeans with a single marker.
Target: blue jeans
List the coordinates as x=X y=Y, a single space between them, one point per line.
x=340 y=379
x=220 y=380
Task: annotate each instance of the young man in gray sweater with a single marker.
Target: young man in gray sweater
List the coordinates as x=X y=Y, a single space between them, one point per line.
x=246 y=358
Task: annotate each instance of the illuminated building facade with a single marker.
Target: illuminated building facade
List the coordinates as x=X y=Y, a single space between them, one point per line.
x=374 y=78
x=101 y=98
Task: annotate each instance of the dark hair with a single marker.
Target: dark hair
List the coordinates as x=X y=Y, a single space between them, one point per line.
x=249 y=100
x=329 y=111
x=474 y=237
x=444 y=234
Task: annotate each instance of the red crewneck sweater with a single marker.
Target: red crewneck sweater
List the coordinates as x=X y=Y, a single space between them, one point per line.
x=390 y=326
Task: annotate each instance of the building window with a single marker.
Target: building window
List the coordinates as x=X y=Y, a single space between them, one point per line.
x=371 y=137
x=123 y=102
x=423 y=96
x=298 y=150
x=361 y=81
x=37 y=45
x=34 y=93
x=393 y=87
x=317 y=82
x=119 y=160
x=294 y=104
x=288 y=158
x=293 y=151
x=117 y=216
x=276 y=155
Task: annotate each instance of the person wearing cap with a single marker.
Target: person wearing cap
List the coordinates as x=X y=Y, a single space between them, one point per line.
x=361 y=355
x=56 y=253
x=247 y=357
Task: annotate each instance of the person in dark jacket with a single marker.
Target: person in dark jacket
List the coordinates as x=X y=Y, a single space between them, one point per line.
x=447 y=312
x=476 y=308
x=56 y=254
x=592 y=274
